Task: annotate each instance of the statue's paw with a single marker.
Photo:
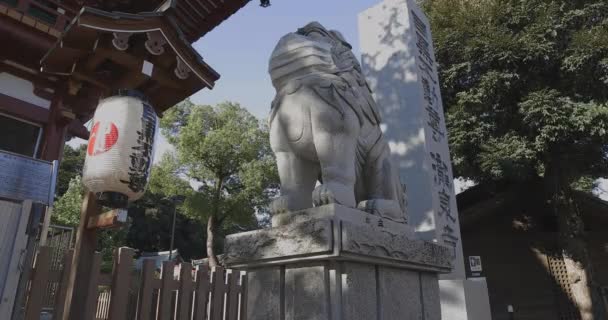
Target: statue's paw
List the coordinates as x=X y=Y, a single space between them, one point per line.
x=279 y=205
x=388 y=209
x=322 y=195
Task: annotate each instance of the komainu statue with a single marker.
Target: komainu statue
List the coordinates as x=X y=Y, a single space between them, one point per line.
x=325 y=127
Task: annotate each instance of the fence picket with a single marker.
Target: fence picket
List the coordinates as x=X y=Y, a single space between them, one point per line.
x=39 y=284
x=166 y=292
x=217 y=293
x=90 y=306
x=144 y=305
x=232 y=303
x=62 y=288
x=121 y=283
x=185 y=292
x=202 y=294
x=103 y=305
x=243 y=296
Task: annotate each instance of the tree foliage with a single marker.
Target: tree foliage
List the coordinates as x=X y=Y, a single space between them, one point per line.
x=150 y=222
x=66 y=211
x=526 y=86
x=151 y=217
x=224 y=151
x=71 y=165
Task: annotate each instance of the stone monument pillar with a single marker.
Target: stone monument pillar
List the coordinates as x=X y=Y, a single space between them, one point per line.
x=399 y=64
x=334 y=262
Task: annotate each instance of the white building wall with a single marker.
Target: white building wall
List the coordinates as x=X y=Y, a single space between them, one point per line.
x=21 y=89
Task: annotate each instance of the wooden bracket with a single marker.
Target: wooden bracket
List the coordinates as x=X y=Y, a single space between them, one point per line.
x=109 y=220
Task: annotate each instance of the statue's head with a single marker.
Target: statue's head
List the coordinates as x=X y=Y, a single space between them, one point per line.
x=317 y=31
x=311 y=49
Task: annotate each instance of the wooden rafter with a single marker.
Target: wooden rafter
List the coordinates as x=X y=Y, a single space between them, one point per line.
x=89 y=53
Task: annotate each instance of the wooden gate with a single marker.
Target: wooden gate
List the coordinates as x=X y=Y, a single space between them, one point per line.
x=13 y=240
x=190 y=294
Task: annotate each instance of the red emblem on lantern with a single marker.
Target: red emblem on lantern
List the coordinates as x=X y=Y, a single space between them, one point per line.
x=103 y=136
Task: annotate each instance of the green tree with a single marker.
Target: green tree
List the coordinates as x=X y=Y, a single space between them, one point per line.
x=66 y=211
x=525 y=84
x=71 y=165
x=225 y=152
x=151 y=216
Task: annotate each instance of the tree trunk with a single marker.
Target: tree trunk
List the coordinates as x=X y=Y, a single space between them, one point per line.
x=211 y=227
x=574 y=251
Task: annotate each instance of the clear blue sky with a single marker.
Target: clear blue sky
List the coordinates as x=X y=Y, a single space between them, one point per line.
x=240 y=47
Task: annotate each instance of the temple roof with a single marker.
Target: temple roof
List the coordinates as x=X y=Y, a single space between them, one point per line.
x=196 y=17
x=146 y=52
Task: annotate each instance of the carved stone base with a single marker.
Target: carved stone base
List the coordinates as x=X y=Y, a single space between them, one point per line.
x=337 y=213
x=332 y=263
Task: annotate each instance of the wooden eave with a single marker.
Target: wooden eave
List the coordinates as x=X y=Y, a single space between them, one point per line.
x=195 y=17
x=84 y=49
x=198 y=17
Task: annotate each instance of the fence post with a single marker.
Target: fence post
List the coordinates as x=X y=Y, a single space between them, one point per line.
x=243 y=296
x=232 y=298
x=90 y=304
x=185 y=292
x=166 y=291
x=121 y=283
x=39 y=284
x=84 y=252
x=202 y=293
x=63 y=285
x=146 y=290
x=217 y=293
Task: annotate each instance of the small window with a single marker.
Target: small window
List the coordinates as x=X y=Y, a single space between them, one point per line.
x=18 y=136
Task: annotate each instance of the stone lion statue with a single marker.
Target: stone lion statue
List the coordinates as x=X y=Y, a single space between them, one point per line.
x=325 y=127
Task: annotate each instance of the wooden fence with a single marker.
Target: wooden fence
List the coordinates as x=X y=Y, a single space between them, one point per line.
x=59 y=239
x=192 y=295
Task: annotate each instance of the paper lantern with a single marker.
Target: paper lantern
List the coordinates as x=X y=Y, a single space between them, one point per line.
x=121 y=148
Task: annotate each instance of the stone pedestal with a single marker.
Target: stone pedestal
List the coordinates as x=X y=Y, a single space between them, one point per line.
x=333 y=262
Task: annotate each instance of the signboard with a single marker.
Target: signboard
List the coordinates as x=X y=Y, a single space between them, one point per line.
x=475 y=264
x=25 y=178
